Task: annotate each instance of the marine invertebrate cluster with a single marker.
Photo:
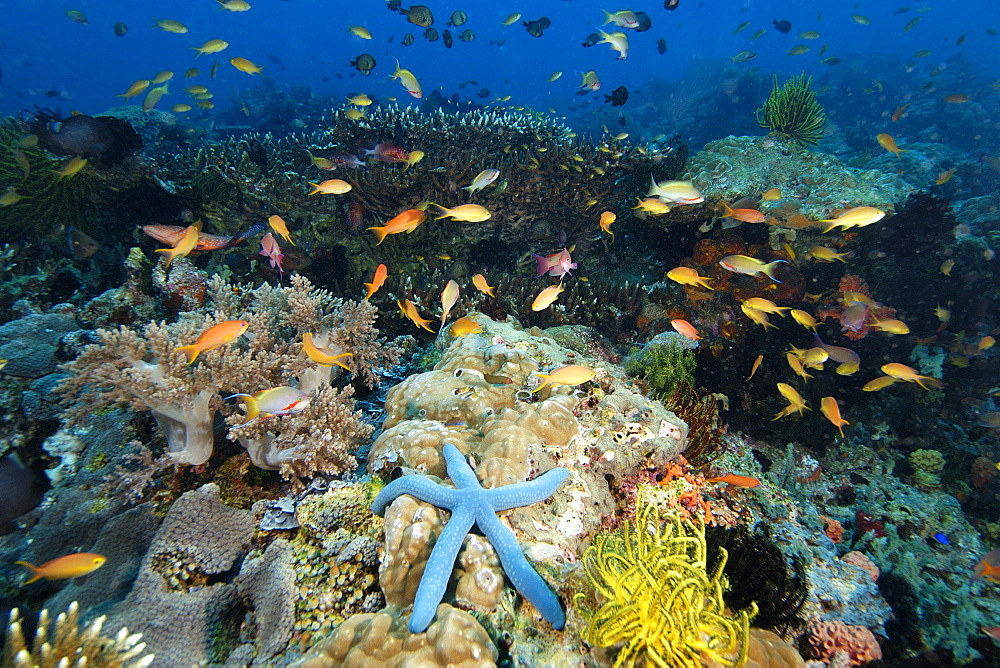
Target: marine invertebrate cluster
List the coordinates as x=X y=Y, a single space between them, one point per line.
x=658 y=600
x=65 y=643
x=792 y=111
x=825 y=640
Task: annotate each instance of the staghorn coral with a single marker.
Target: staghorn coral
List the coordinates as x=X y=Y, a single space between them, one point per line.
x=656 y=596
x=66 y=642
x=792 y=111
x=145 y=372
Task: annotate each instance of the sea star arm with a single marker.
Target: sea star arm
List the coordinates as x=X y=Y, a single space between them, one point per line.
x=523 y=576
x=439 y=567
x=418 y=486
x=526 y=493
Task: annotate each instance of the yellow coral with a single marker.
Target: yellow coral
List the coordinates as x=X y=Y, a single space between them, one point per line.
x=659 y=600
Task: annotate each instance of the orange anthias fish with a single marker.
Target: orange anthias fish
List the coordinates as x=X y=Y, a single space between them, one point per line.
x=831 y=411
x=685 y=329
x=688 y=276
x=743 y=215
x=213 y=337
x=62 y=568
x=276 y=401
x=448 y=298
x=184 y=246
x=888 y=143
x=898 y=113
x=407 y=221
x=480 y=282
x=736 y=480
x=464 y=326
x=909 y=374
x=545 y=298
x=944 y=177
x=323 y=356
x=607 y=218
x=380 y=273
x=278 y=225
x=987 y=567
x=756 y=365
x=408 y=309
x=574 y=374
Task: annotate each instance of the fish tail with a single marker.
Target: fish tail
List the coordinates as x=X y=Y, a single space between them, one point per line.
x=768 y=269
x=368 y=286
x=35 y=571
x=380 y=234
x=191 y=351
x=336 y=361
x=541 y=265
x=727 y=210
x=253 y=410
x=243 y=236
x=444 y=210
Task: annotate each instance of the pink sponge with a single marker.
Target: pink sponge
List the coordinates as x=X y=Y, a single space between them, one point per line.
x=825 y=639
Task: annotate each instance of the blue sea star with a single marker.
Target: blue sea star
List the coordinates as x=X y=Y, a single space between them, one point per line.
x=471 y=504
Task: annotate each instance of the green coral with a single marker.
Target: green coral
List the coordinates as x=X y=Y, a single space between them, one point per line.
x=792 y=111
x=927 y=466
x=660 y=604
x=663 y=367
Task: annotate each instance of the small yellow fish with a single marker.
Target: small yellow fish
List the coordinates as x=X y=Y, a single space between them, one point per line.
x=180 y=108
x=942 y=314
x=891 y=326
x=758 y=317
x=468 y=213
x=196 y=90
x=165 y=75
x=464 y=326
x=554 y=76
x=10 y=197
x=607 y=219
x=77 y=16
x=244 y=65
x=796 y=402
x=879 y=383
x=857 y=217
x=944 y=177
x=278 y=224
x=887 y=142
x=480 y=282
x=512 y=19
x=322 y=163
x=831 y=411
x=360 y=100
x=153 y=97
x=355 y=114
x=234 y=5
x=214 y=337
x=689 y=276
x=652 y=205
x=766 y=306
x=545 y=298
x=331 y=187
x=826 y=254
x=410 y=311
x=136 y=88
x=449 y=296
x=191 y=73
x=70 y=566
x=323 y=356
x=756 y=365
x=771 y=195
x=412 y=158
x=796 y=364
x=211 y=46
x=574 y=374
x=359 y=31
x=909 y=374
x=861 y=19
x=408 y=81
x=168 y=25
x=71 y=168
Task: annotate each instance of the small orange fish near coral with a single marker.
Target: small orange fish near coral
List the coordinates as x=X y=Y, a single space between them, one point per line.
x=736 y=480
x=214 y=337
x=62 y=568
x=685 y=329
x=987 y=567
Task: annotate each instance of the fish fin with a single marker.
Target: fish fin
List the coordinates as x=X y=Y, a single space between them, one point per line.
x=380 y=234
x=191 y=351
x=253 y=410
x=35 y=571
x=768 y=269
x=339 y=363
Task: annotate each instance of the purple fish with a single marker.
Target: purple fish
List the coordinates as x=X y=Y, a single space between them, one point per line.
x=853 y=317
x=558 y=264
x=272 y=251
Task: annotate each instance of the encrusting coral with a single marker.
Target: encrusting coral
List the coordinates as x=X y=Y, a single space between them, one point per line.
x=657 y=598
x=145 y=371
x=68 y=644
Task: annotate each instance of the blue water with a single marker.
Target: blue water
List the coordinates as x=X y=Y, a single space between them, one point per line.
x=84 y=66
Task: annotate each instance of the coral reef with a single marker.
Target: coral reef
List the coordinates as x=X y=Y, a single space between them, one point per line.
x=145 y=372
x=792 y=111
x=66 y=642
x=657 y=598
x=828 y=639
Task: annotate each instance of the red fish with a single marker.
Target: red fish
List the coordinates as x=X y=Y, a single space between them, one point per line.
x=355 y=216
x=388 y=153
x=171 y=234
x=557 y=264
x=272 y=251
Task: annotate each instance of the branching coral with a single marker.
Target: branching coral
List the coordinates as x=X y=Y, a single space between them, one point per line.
x=664 y=367
x=659 y=600
x=145 y=371
x=792 y=111
x=69 y=645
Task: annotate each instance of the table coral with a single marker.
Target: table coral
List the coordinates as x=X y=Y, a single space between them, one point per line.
x=471 y=504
